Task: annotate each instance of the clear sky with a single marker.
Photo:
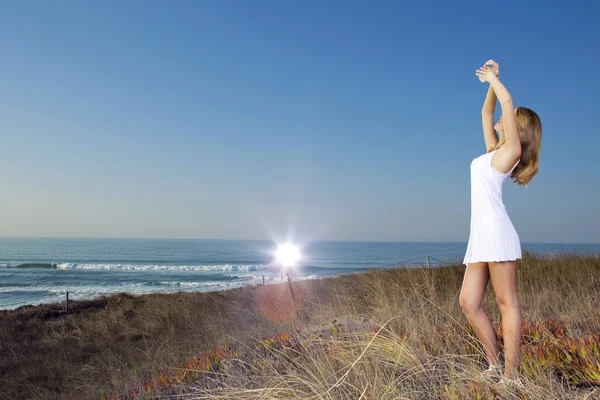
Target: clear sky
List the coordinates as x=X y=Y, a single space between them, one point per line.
x=337 y=120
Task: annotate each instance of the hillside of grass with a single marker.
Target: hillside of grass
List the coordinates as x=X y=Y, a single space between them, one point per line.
x=387 y=334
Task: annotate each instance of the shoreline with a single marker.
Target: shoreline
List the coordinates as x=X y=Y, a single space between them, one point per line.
x=179 y=289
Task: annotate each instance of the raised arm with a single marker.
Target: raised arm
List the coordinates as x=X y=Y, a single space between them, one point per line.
x=487 y=119
x=512 y=145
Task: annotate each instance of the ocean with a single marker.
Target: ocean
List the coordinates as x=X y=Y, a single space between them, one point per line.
x=41 y=270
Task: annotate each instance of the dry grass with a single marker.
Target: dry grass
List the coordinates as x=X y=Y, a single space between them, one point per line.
x=382 y=335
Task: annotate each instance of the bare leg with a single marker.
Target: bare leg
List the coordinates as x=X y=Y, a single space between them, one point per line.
x=504 y=281
x=475 y=281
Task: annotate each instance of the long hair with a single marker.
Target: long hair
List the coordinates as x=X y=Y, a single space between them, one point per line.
x=529 y=127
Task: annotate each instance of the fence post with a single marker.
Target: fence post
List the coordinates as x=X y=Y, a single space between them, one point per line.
x=428 y=263
x=293 y=297
x=67 y=301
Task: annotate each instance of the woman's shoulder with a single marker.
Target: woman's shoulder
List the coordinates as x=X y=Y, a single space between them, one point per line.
x=503 y=161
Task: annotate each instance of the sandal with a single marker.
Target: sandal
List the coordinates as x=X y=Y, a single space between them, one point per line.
x=493 y=370
x=511 y=383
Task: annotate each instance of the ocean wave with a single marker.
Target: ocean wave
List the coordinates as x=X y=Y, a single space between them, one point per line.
x=12 y=297
x=141 y=267
x=237 y=267
x=15 y=285
x=29 y=265
x=224 y=281
x=189 y=284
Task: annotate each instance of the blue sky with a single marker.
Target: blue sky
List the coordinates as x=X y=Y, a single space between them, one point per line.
x=333 y=120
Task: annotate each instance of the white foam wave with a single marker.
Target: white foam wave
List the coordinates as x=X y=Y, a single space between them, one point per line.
x=313 y=277
x=57 y=293
x=141 y=267
x=277 y=278
x=185 y=284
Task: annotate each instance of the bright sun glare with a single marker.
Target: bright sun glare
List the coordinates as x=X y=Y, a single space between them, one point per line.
x=287 y=255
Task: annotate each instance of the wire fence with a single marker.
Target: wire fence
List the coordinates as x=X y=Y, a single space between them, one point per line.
x=449 y=263
x=403 y=262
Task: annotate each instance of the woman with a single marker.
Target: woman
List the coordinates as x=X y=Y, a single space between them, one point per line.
x=494 y=243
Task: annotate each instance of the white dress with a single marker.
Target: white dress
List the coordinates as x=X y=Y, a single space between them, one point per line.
x=493 y=236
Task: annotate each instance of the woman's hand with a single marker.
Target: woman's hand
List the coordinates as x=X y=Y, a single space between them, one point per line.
x=491 y=65
x=495 y=67
x=485 y=73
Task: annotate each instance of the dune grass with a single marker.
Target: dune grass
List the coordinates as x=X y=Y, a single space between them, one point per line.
x=389 y=334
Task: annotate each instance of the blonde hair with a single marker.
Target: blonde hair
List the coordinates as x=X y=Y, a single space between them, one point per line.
x=529 y=127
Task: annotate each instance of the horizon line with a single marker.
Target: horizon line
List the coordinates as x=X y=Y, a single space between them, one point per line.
x=269 y=240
